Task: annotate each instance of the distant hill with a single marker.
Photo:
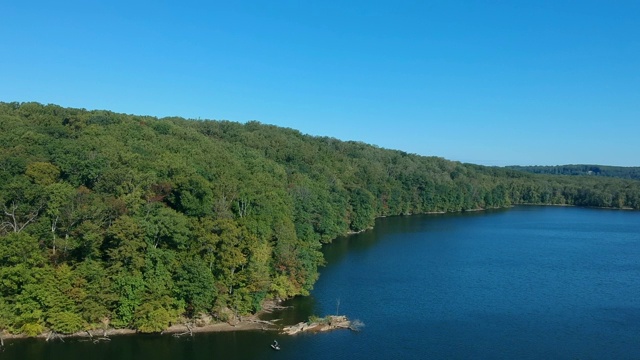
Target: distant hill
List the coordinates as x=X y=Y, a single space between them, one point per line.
x=587 y=170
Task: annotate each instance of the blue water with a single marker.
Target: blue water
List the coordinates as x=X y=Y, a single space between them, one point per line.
x=523 y=283
x=531 y=282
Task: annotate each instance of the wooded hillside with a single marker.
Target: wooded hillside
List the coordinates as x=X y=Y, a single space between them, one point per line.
x=132 y=221
x=586 y=170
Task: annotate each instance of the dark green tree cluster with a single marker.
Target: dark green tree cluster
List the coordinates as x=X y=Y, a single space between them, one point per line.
x=588 y=170
x=137 y=222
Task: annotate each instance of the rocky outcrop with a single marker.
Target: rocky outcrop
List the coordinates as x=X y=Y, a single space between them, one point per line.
x=330 y=322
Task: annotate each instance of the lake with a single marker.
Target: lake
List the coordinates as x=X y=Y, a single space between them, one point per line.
x=522 y=283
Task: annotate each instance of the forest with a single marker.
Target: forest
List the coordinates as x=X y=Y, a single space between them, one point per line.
x=125 y=221
x=588 y=170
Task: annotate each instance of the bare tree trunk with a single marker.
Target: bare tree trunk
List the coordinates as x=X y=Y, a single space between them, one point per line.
x=14 y=222
x=54 y=225
x=189 y=331
x=243 y=207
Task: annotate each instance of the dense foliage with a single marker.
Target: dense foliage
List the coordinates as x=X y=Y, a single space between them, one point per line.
x=589 y=170
x=133 y=221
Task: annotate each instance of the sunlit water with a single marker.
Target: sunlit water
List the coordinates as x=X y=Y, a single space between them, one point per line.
x=524 y=283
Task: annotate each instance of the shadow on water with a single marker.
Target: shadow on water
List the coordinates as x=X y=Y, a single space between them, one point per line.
x=295 y=310
x=227 y=345
x=340 y=247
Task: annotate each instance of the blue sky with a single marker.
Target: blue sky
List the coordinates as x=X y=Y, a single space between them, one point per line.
x=487 y=82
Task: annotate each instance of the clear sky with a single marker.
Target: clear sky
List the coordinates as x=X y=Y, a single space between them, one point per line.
x=487 y=82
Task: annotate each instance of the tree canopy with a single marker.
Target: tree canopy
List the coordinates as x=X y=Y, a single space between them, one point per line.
x=587 y=170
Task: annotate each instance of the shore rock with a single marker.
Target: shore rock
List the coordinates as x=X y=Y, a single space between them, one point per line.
x=330 y=322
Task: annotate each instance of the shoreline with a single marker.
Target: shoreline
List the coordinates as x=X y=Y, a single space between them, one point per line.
x=245 y=323
x=177 y=329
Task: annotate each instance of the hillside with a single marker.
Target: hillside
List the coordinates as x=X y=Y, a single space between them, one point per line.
x=586 y=170
x=131 y=221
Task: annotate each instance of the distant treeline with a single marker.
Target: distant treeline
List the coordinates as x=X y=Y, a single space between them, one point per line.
x=114 y=220
x=591 y=170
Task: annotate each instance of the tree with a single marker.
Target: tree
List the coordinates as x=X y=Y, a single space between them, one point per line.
x=125 y=245
x=22 y=204
x=362 y=214
x=195 y=286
